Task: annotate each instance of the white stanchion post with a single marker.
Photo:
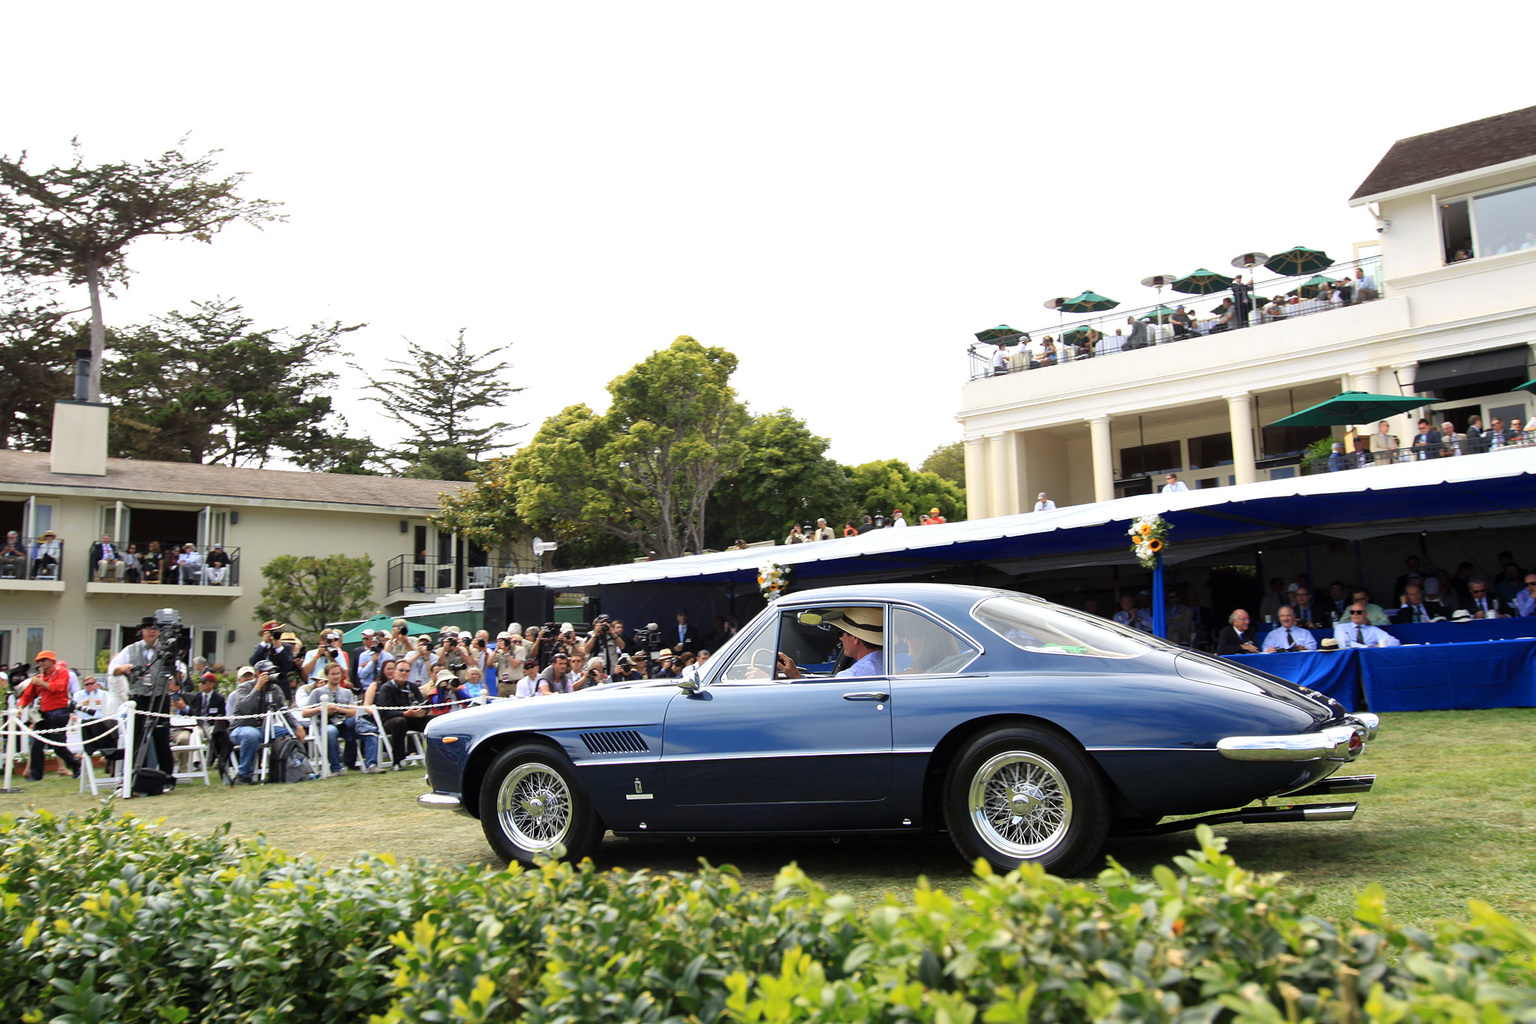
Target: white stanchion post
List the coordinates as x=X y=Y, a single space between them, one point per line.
x=126 y=791
x=10 y=742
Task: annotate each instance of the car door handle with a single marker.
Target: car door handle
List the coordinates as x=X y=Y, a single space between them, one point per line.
x=867 y=696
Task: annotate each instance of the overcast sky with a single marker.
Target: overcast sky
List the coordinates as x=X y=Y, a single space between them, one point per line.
x=839 y=193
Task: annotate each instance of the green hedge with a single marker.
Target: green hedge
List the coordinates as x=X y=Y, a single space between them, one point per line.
x=109 y=919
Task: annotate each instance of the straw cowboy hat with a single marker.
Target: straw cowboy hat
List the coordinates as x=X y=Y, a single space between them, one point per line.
x=868 y=624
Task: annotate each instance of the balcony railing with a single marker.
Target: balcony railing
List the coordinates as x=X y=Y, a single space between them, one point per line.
x=213 y=566
x=1071 y=340
x=32 y=558
x=415 y=574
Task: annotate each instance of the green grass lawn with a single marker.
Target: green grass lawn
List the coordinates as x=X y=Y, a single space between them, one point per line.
x=1452 y=818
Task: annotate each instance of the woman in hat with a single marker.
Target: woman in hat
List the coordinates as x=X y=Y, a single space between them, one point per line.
x=45 y=555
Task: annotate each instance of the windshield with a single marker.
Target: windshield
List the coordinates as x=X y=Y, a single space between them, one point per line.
x=1041 y=628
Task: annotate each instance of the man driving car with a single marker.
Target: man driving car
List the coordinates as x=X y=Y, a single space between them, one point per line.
x=863 y=640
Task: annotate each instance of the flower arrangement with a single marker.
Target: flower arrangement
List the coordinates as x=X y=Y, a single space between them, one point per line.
x=773 y=579
x=1148 y=536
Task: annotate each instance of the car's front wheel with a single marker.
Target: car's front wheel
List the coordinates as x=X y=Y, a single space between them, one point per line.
x=531 y=802
x=1024 y=793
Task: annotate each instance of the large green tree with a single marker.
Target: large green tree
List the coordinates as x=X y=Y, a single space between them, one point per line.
x=77 y=222
x=641 y=473
x=948 y=461
x=889 y=484
x=439 y=397
x=784 y=478
x=36 y=352
x=208 y=386
x=308 y=591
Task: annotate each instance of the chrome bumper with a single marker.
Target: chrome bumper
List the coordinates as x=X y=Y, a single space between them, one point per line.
x=1336 y=743
x=442 y=801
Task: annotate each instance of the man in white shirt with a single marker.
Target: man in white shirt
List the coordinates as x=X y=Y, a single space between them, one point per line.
x=1288 y=636
x=1358 y=633
x=1044 y=504
x=896 y=518
x=1174 y=484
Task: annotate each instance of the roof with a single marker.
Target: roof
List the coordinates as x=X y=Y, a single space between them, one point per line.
x=1361 y=503
x=34 y=469
x=1451 y=151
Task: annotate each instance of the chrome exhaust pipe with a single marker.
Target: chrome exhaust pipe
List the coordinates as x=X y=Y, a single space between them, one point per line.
x=1337 y=784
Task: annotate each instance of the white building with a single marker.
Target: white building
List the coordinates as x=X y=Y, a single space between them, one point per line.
x=1457 y=332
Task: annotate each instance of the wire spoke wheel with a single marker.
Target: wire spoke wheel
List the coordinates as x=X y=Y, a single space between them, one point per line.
x=533 y=804
x=1020 y=804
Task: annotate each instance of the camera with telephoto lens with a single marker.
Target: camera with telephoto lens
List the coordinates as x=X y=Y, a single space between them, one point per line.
x=649 y=639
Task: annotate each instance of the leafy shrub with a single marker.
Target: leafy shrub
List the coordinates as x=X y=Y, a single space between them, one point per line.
x=109 y=919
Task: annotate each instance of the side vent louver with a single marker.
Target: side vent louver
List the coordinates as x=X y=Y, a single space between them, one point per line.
x=616 y=741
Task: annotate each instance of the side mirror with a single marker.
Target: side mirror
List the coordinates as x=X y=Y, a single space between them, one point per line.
x=688 y=685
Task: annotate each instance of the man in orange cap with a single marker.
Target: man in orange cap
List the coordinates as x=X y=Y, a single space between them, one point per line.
x=50 y=688
x=935 y=517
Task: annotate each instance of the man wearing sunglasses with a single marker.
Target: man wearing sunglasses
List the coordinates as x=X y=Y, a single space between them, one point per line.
x=1525 y=601
x=1357 y=632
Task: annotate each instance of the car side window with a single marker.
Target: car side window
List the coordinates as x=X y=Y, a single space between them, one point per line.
x=922 y=646
x=754 y=659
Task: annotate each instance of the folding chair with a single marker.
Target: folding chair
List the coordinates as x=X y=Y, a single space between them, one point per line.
x=196 y=746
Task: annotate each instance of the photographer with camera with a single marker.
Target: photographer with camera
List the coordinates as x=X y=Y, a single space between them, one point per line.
x=150 y=664
x=50 y=688
x=278 y=648
x=451 y=655
x=327 y=653
x=606 y=642
x=367 y=659
x=398 y=644
x=257 y=696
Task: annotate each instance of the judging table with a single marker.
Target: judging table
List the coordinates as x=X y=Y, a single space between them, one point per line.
x=1422 y=677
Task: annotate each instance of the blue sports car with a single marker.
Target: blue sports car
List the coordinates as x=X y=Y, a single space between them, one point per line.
x=1025 y=730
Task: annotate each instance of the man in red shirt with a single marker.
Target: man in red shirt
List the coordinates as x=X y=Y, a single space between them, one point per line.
x=50 y=688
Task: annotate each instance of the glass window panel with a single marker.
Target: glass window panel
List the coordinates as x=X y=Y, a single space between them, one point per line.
x=921 y=646
x=1045 y=629
x=35 y=639
x=753 y=660
x=1456 y=230
x=1210 y=450
x=1506 y=220
x=1150 y=459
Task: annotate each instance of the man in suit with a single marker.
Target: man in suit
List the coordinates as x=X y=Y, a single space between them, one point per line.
x=686 y=638
x=106 y=560
x=1481 y=602
x=1426 y=443
x=1138 y=336
x=207 y=705
x=1475 y=442
x=1358 y=633
x=1415 y=608
x=1241 y=301
x=1238 y=637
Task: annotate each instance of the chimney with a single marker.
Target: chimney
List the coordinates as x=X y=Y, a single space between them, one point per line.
x=80 y=428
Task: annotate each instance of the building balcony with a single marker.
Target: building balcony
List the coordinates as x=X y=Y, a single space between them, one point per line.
x=32 y=564
x=412 y=577
x=196 y=578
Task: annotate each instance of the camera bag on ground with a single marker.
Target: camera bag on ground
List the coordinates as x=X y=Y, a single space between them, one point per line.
x=149 y=781
x=286 y=760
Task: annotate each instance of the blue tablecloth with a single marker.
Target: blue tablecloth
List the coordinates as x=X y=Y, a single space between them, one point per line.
x=1442 y=677
x=1428 y=677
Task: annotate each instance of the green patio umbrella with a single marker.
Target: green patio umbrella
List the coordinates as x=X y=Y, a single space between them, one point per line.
x=1529 y=385
x=1299 y=260
x=1159 y=314
x=1202 y=282
x=383 y=623
x=1002 y=334
x=1088 y=302
x=1308 y=288
x=1077 y=335
x=1350 y=407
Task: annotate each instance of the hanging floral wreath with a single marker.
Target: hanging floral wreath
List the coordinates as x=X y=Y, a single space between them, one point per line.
x=773 y=578
x=1148 y=536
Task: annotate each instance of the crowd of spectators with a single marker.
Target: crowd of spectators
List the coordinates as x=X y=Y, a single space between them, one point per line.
x=877 y=521
x=1289 y=615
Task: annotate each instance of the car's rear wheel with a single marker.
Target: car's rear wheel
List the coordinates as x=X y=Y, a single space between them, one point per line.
x=1023 y=793
x=531 y=803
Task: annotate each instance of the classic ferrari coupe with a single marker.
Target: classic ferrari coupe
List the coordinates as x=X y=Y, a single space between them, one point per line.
x=1025 y=730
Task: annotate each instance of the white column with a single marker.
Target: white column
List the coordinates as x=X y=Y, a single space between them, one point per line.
x=1240 y=412
x=1103 y=459
x=977 y=486
x=997 y=474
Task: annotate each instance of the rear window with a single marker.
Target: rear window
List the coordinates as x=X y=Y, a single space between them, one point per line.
x=1050 y=629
